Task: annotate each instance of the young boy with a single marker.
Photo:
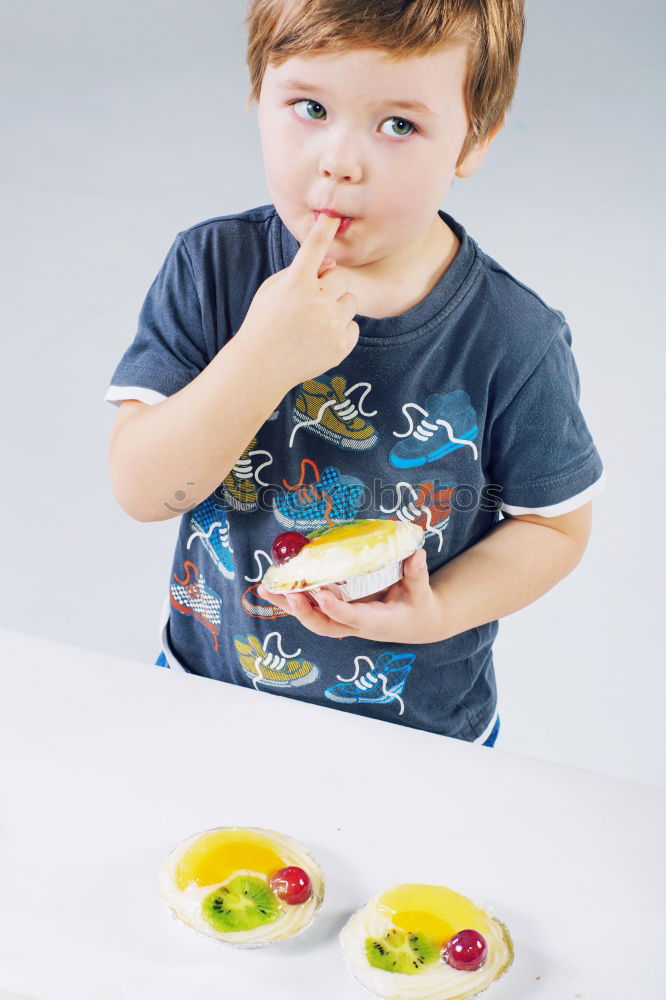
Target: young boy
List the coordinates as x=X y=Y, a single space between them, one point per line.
x=293 y=370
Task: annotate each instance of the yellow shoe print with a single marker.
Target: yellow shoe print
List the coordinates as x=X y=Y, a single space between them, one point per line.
x=283 y=670
x=240 y=486
x=323 y=407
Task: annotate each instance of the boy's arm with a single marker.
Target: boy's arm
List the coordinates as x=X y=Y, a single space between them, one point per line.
x=520 y=559
x=299 y=324
x=515 y=563
x=187 y=444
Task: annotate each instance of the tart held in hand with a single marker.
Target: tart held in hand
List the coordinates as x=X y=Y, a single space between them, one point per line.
x=425 y=942
x=242 y=885
x=353 y=559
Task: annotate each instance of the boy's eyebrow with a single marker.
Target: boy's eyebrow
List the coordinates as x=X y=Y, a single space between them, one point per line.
x=411 y=105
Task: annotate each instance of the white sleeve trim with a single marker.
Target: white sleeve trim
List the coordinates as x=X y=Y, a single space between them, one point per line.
x=565 y=506
x=117 y=394
x=488 y=730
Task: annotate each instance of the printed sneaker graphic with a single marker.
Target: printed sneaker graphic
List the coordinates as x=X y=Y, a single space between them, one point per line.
x=283 y=670
x=209 y=523
x=449 y=422
x=383 y=683
x=331 y=498
x=196 y=599
x=251 y=602
x=324 y=408
x=428 y=508
x=239 y=488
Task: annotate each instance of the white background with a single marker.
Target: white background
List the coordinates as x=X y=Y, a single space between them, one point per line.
x=126 y=122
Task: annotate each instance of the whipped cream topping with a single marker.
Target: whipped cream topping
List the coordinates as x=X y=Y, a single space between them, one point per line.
x=435 y=982
x=335 y=561
x=186 y=905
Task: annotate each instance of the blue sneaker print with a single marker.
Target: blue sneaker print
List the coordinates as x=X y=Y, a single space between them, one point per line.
x=330 y=499
x=383 y=683
x=209 y=524
x=449 y=422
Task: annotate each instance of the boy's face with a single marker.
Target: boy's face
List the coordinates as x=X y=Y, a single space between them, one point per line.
x=346 y=141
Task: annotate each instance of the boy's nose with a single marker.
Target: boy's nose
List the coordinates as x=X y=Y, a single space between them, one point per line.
x=340 y=165
x=338 y=175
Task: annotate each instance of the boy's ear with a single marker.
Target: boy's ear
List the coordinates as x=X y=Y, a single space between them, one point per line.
x=477 y=154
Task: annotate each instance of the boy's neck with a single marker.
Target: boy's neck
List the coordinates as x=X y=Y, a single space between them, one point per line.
x=391 y=288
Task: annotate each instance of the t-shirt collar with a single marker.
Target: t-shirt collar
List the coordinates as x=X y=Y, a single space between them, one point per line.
x=426 y=314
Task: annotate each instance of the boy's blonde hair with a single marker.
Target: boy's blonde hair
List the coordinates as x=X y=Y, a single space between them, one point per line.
x=493 y=29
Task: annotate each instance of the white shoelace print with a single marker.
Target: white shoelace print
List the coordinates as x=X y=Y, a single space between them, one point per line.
x=411 y=512
x=368 y=680
x=425 y=430
x=244 y=470
x=224 y=535
x=260 y=574
x=271 y=660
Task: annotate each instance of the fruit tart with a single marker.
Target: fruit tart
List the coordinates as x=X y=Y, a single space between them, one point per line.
x=425 y=942
x=242 y=885
x=353 y=559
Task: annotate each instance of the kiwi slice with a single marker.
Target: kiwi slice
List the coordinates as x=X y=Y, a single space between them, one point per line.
x=399 y=951
x=241 y=904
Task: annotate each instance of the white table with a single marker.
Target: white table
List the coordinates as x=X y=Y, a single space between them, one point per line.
x=107 y=764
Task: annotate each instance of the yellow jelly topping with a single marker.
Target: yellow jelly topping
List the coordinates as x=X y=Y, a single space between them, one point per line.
x=433 y=910
x=424 y=923
x=372 y=530
x=214 y=856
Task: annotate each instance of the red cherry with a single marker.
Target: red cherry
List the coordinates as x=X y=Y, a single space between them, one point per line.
x=292 y=885
x=287 y=545
x=466 y=950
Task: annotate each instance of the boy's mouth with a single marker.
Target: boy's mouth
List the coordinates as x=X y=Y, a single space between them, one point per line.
x=345 y=220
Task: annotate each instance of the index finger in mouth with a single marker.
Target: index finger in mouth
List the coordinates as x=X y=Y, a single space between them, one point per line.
x=316 y=244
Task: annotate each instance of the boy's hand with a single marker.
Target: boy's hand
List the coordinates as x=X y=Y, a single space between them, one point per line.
x=300 y=321
x=409 y=611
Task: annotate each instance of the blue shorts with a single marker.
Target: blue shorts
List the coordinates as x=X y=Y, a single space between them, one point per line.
x=490 y=742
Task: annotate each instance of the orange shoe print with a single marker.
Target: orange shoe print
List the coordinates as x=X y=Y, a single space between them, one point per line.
x=253 y=604
x=192 y=596
x=429 y=508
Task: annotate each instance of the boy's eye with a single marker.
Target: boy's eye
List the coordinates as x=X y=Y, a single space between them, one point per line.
x=401 y=124
x=315 y=111
x=309 y=105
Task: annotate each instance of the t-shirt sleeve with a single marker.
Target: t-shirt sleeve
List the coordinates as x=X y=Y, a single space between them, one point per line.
x=169 y=349
x=543 y=457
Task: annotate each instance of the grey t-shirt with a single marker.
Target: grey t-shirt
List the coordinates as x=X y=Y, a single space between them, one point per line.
x=463 y=406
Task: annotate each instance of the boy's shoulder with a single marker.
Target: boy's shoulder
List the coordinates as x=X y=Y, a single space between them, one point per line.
x=507 y=331
x=506 y=287
x=261 y=215
x=240 y=245
x=511 y=320
x=251 y=226
x=493 y=291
